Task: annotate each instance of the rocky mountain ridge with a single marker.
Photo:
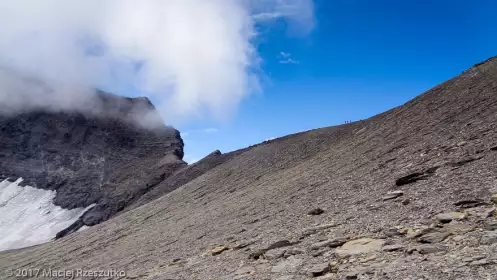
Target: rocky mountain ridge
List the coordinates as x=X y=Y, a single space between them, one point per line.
x=407 y=194
x=103 y=157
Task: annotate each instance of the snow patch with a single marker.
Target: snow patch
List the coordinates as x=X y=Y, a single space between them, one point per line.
x=28 y=216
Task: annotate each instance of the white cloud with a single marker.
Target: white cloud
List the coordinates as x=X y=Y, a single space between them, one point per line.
x=266 y=16
x=286 y=58
x=300 y=12
x=203 y=130
x=289 y=61
x=193 y=57
x=210 y=130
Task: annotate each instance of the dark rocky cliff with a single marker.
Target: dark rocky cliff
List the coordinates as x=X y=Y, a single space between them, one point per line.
x=107 y=156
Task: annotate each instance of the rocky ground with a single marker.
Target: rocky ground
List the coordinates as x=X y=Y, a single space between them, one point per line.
x=407 y=194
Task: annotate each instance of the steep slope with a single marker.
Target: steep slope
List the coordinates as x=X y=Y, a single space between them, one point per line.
x=103 y=157
x=255 y=215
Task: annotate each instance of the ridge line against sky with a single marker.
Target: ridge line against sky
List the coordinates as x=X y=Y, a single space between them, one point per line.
x=246 y=70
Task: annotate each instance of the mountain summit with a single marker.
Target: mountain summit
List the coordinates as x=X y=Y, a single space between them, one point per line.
x=101 y=156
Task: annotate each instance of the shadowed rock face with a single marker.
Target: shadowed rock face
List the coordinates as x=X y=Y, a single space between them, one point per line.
x=245 y=214
x=103 y=155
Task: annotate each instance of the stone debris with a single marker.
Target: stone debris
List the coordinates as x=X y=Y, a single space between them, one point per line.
x=474 y=258
x=393 y=247
x=427 y=249
x=491 y=225
x=316 y=212
x=332 y=243
x=392 y=195
x=470 y=203
x=241 y=273
x=319 y=270
x=294 y=251
x=290 y=265
x=434 y=237
x=218 y=250
x=275 y=245
x=490 y=237
x=313 y=230
x=392 y=232
x=245 y=244
x=352 y=275
x=274 y=254
x=359 y=246
x=449 y=217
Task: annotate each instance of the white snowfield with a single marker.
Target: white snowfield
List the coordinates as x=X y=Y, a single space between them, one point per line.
x=28 y=216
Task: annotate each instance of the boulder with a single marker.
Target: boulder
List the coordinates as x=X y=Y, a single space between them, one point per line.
x=319 y=270
x=359 y=246
x=449 y=217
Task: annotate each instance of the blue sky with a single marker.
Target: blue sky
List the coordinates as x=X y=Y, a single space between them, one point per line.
x=362 y=58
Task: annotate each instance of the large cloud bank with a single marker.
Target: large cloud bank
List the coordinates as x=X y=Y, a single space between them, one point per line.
x=192 y=57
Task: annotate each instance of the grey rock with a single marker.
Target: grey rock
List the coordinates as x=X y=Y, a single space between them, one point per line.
x=449 y=217
x=335 y=242
x=392 y=232
x=244 y=244
x=319 y=270
x=429 y=249
x=352 y=275
x=275 y=245
x=393 y=247
x=392 y=195
x=359 y=246
x=318 y=253
x=490 y=237
x=474 y=258
x=294 y=251
x=433 y=237
x=290 y=265
x=285 y=277
x=313 y=230
x=316 y=212
x=241 y=273
x=491 y=225
x=480 y=262
x=274 y=254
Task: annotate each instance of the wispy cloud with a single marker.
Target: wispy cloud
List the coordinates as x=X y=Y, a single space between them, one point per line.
x=266 y=16
x=286 y=58
x=210 y=130
x=289 y=61
x=199 y=131
x=300 y=12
